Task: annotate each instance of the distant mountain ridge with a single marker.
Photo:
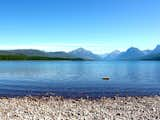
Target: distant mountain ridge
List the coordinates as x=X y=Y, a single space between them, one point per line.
x=134 y=54
x=86 y=54
x=147 y=52
x=130 y=54
x=113 y=55
x=156 y=50
x=38 y=53
x=153 y=55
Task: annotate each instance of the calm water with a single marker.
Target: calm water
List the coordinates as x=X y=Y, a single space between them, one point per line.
x=79 y=79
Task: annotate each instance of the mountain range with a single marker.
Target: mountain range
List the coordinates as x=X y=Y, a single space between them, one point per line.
x=130 y=54
x=135 y=54
x=85 y=54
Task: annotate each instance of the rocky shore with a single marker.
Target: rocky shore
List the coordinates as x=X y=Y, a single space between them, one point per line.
x=58 y=108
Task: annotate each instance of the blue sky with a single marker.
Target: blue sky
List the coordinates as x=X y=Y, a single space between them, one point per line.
x=98 y=25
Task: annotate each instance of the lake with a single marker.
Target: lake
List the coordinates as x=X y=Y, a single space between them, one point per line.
x=79 y=78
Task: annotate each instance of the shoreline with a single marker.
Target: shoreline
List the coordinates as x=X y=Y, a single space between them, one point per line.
x=57 y=108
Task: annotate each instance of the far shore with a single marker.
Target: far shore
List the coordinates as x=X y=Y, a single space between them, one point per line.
x=59 y=108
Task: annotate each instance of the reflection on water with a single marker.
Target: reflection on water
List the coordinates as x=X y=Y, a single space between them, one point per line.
x=79 y=78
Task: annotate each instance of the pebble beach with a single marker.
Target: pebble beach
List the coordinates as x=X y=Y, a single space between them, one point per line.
x=58 y=108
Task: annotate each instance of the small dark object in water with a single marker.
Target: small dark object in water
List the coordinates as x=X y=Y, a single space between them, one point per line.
x=105 y=78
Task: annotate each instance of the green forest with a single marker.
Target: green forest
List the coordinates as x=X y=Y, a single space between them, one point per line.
x=25 y=57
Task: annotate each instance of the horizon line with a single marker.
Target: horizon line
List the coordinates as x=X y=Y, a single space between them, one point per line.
x=45 y=50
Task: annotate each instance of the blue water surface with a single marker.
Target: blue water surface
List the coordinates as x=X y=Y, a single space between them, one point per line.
x=79 y=78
